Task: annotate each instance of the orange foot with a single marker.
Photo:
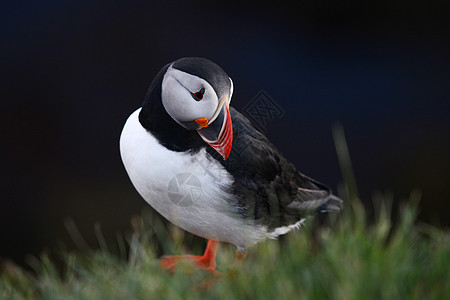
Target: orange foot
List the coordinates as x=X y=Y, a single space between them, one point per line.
x=205 y=262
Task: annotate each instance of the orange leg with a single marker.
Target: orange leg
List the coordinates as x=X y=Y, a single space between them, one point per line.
x=239 y=258
x=206 y=262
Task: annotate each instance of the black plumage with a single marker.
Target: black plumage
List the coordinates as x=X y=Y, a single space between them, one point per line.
x=268 y=189
x=155 y=119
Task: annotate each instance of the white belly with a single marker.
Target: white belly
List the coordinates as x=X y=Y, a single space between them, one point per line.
x=187 y=189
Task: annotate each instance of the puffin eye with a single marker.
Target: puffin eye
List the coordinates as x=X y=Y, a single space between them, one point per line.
x=198 y=95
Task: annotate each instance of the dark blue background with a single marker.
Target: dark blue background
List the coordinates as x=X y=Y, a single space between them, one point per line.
x=72 y=72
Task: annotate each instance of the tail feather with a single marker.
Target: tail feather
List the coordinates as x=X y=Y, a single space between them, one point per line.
x=333 y=203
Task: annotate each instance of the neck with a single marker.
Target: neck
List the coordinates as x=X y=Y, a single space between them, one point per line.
x=160 y=124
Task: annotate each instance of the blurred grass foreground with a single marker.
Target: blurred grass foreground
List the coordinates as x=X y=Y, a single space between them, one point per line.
x=346 y=258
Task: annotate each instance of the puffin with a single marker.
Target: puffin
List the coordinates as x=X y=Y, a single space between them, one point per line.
x=207 y=169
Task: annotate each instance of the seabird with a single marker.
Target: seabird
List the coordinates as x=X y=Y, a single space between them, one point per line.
x=178 y=152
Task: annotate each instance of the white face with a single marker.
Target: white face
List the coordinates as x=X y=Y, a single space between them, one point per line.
x=177 y=97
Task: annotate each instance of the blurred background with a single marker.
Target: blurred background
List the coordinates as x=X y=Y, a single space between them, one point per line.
x=72 y=72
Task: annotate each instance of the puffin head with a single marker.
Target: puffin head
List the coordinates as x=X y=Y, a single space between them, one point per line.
x=196 y=94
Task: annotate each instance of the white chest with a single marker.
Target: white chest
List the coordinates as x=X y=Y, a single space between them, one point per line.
x=188 y=190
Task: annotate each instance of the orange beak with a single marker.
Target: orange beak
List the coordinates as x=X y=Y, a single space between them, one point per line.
x=218 y=134
x=203 y=122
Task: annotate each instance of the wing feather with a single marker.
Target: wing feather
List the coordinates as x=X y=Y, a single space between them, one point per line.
x=268 y=187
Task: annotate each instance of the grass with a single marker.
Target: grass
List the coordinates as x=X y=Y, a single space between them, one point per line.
x=347 y=258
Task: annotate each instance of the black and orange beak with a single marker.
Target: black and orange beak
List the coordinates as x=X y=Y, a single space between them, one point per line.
x=218 y=131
